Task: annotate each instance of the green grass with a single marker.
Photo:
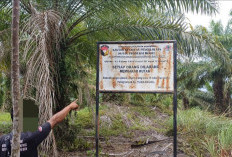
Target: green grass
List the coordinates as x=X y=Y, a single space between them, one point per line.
x=84 y=118
x=118 y=127
x=143 y=110
x=5 y=117
x=5 y=123
x=85 y=121
x=203 y=132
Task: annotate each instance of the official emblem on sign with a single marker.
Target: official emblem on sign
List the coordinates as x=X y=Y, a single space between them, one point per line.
x=104 y=50
x=167 y=48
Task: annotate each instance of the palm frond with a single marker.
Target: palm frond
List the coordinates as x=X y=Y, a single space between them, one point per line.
x=44 y=32
x=204 y=99
x=6 y=4
x=163 y=27
x=86 y=9
x=5 y=49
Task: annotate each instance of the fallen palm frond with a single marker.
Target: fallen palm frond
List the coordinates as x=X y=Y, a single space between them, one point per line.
x=43 y=32
x=5 y=49
x=141 y=143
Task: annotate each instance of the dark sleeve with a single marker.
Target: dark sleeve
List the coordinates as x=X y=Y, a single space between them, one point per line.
x=38 y=136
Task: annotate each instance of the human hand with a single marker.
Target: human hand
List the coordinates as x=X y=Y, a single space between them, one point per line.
x=74 y=105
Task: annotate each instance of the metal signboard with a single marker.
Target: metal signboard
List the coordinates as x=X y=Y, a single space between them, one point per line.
x=136 y=67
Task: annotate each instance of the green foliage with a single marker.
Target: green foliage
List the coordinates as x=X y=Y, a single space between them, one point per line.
x=81 y=144
x=141 y=102
x=91 y=153
x=210 y=146
x=84 y=119
x=168 y=102
x=118 y=127
x=5 y=123
x=2 y=88
x=78 y=124
x=117 y=98
x=163 y=102
x=204 y=130
x=143 y=110
x=225 y=137
x=4 y=116
x=67 y=139
x=216 y=28
x=121 y=123
x=208 y=71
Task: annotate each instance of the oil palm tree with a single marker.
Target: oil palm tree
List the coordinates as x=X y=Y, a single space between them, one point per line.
x=15 y=146
x=210 y=71
x=194 y=83
x=222 y=76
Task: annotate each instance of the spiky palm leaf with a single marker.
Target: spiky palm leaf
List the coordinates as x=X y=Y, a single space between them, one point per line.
x=140 y=26
x=191 y=77
x=5 y=47
x=5 y=50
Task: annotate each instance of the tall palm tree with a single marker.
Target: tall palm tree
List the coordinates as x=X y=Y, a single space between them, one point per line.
x=193 y=77
x=222 y=77
x=15 y=146
x=210 y=69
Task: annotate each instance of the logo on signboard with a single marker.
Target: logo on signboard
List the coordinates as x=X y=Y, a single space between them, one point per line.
x=104 y=50
x=167 y=48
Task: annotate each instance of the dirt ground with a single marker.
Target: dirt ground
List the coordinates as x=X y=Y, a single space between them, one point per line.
x=120 y=146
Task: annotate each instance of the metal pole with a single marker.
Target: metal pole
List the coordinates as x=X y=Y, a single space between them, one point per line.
x=97 y=104
x=175 y=124
x=97 y=123
x=175 y=105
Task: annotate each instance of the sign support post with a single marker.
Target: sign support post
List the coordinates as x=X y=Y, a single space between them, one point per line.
x=175 y=104
x=97 y=106
x=97 y=124
x=137 y=67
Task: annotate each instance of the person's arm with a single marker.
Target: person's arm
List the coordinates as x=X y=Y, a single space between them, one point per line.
x=58 y=117
x=43 y=131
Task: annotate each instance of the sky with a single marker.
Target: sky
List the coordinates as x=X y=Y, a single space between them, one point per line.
x=224 y=9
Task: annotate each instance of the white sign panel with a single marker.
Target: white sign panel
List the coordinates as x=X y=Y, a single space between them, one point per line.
x=136 y=67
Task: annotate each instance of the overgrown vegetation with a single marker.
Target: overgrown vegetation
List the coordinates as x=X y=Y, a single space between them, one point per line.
x=116 y=119
x=200 y=132
x=203 y=133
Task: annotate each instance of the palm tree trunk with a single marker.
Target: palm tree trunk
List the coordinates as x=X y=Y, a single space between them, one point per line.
x=227 y=99
x=15 y=147
x=185 y=102
x=218 y=93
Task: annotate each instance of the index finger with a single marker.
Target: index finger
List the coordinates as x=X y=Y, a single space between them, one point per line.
x=76 y=100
